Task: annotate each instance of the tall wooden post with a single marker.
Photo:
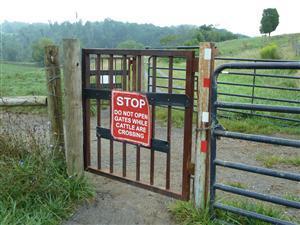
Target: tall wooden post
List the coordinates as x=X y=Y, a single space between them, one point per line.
x=73 y=106
x=54 y=99
x=206 y=67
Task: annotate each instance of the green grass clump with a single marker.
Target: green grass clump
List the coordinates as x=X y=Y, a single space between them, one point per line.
x=292 y=197
x=237 y=184
x=34 y=185
x=185 y=213
x=250 y=206
x=270 y=51
x=270 y=161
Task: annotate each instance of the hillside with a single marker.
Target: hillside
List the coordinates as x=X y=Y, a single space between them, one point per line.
x=19 y=39
x=288 y=44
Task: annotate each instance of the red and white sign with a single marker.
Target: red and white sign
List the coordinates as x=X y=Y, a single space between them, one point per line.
x=130 y=117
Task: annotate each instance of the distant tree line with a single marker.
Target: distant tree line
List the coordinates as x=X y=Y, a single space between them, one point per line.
x=200 y=34
x=23 y=41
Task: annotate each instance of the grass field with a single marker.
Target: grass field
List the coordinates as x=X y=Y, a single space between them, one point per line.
x=20 y=80
x=250 y=47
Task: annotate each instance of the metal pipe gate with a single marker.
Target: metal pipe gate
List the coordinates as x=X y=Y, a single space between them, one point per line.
x=217 y=131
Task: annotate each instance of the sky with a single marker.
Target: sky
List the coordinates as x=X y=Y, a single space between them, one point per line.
x=238 y=16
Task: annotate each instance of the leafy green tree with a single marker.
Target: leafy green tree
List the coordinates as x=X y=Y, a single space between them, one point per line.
x=169 y=40
x=269 y=21
x=38 y=50
x=130 y=44
x=10 y=48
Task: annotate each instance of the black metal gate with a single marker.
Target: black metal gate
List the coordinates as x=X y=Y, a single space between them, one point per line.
x=107 y=69
x=218 y=131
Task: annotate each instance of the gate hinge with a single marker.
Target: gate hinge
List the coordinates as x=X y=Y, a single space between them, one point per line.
x=195 y=64
x=192 y=168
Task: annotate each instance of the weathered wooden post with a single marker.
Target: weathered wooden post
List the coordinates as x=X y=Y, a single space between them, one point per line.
x=23 y=101
x=54 y=99
x=206 y=67
x=73 y=106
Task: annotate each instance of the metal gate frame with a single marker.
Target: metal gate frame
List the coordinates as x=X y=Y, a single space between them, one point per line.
x=169 y=99
x=217 y=131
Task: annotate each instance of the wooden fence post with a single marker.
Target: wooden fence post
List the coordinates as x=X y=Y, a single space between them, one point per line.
x=73 y=106
x=54 y=99
x=206 y=67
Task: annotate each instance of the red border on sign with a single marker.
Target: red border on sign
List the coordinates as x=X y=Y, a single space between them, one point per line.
x=148 y=144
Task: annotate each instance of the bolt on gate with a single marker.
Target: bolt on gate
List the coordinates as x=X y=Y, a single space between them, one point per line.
x=217 y=131
x=105 y=70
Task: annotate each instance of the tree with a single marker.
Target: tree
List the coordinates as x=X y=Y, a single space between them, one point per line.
x=169 y=40
x=38 y=50
x=10 y=48
x=130 y=44
x=269 y=21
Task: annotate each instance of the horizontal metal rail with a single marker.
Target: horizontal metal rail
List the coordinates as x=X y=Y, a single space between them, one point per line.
x=260 y=75
x=174 y=47
x=166 y=68
x=254 y=215
x=258 y=170
x=140 y=184
x=259 y=98
x=258 y=65
x=257 y=138
x=136 y=52
x=259 y=86
x=156 y=144
x=261 y=115
x=153 y=98
x=258 y=107
x=167 y=78
x=106 y=73
x=253 y=60
x=259 y=196
x=165 y=87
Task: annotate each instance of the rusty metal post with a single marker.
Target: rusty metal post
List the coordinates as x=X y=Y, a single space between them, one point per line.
x=206 y=66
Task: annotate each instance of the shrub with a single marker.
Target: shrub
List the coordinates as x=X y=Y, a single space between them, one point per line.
x=270 y=52
x=34 y=185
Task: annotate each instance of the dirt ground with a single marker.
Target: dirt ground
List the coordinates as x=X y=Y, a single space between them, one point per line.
x=118 y=203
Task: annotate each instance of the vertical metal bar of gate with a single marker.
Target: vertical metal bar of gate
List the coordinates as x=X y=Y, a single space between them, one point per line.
x=169 y=124
x=218 y=132
x=188 y=120
x=98 y=109
x=124 y=84
x=152 y=155
x=86 y=110
x=111 y=86
x=138 y=72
